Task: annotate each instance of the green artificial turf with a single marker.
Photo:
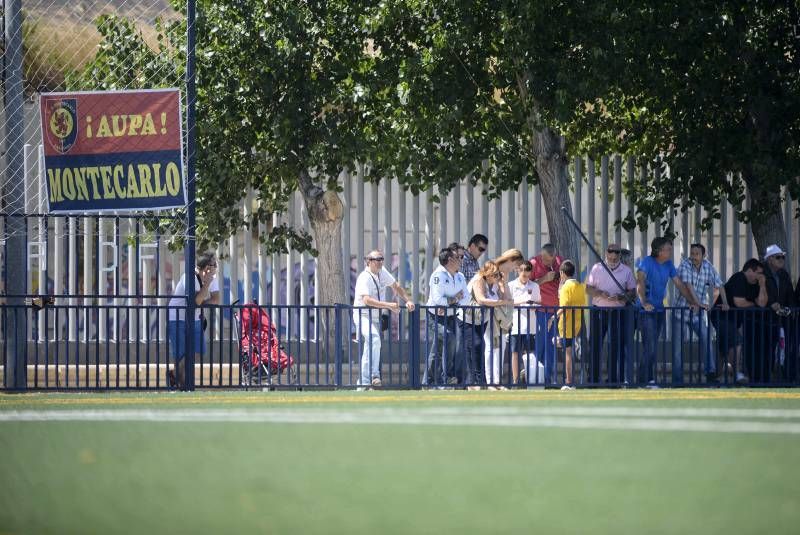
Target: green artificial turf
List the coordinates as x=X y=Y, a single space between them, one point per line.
x=225 y=477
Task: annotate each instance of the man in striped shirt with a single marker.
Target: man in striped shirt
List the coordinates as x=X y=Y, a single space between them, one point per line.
x=700 y=276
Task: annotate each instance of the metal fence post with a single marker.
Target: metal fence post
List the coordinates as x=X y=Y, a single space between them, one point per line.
x=413 y=346
x=191 y=96
x=14 y=189
x=631 y=352
x=338 y=343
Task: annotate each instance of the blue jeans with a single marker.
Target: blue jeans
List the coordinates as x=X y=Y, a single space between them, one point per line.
x=651 y=325
x=371 y=355
x=441 y=348
x=544 y=343
x=176 y=332
x=684 y=322
x=471 y=352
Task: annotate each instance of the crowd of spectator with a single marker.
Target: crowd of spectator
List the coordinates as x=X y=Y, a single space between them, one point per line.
x=478 y=316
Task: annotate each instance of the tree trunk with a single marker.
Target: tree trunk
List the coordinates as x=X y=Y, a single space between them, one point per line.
x=325 y=213
x=767 y=224
x=550 y=160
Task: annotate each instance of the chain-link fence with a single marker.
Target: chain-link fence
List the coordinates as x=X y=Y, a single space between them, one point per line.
x=56 y=53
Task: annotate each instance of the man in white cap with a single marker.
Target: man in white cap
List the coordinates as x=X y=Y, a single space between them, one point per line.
x=780 y=298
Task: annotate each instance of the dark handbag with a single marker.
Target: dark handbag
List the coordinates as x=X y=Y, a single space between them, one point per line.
x=384 y=316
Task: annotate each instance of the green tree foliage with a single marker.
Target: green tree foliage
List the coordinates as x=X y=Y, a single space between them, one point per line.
x=711 y=88
x=280 y=108
x=485 y=88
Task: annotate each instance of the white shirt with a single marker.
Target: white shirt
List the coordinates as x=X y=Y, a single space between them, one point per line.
x=178 y=298
x=444 y=286
x=463 y=287
x=371 y=285
x=529 y=291
x=476 y=315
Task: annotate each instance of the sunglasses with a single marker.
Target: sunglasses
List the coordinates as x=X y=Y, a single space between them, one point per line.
x=614 y=251
x=525 y=269
x=376 y=259
x=779 y=256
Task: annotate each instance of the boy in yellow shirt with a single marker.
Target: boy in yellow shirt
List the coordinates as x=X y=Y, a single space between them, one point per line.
x=570 y=294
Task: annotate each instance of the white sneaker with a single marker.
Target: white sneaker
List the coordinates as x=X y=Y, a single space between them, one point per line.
x=567 y=387
x=741 y=378
x=652 y=385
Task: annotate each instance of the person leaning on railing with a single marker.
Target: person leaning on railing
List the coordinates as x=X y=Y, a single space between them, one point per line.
x=608 y=316
x=447 y=287
x=745 y=289
x=370 y=292
x=207 y=287
x=699 y=275
x=780 y=299
x=483 y=291
x=655 y=271
x=493 y=352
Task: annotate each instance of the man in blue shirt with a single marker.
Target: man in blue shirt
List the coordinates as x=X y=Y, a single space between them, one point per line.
x=655 y=271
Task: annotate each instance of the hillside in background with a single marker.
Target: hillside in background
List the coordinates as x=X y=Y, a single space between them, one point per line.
x=88 y=10
x=60 y=35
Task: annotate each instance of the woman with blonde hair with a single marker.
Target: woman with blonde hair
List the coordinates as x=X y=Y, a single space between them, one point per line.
x=484 y=292
x=495 y=337
x=509 y=260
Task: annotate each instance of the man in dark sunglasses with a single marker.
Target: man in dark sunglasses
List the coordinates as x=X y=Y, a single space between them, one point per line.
x=476 y=247
x=608 y=317
x=370 y=316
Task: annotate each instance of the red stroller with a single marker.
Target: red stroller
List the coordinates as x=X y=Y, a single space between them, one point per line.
x=261 y=354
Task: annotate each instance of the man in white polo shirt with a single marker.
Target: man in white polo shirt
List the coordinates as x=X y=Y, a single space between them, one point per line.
x=370 y=293
x=447 y=288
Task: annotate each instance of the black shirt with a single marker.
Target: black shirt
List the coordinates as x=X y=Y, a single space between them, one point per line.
x=737 y=286
x=779 y=287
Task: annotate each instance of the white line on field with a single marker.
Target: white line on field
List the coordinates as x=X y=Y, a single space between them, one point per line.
x=649 y=412
x=586 y=418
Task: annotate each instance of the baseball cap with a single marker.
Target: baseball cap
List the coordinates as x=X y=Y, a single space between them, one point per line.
x=773 y=250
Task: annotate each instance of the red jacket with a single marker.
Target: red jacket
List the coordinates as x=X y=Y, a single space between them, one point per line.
x=549 y=290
